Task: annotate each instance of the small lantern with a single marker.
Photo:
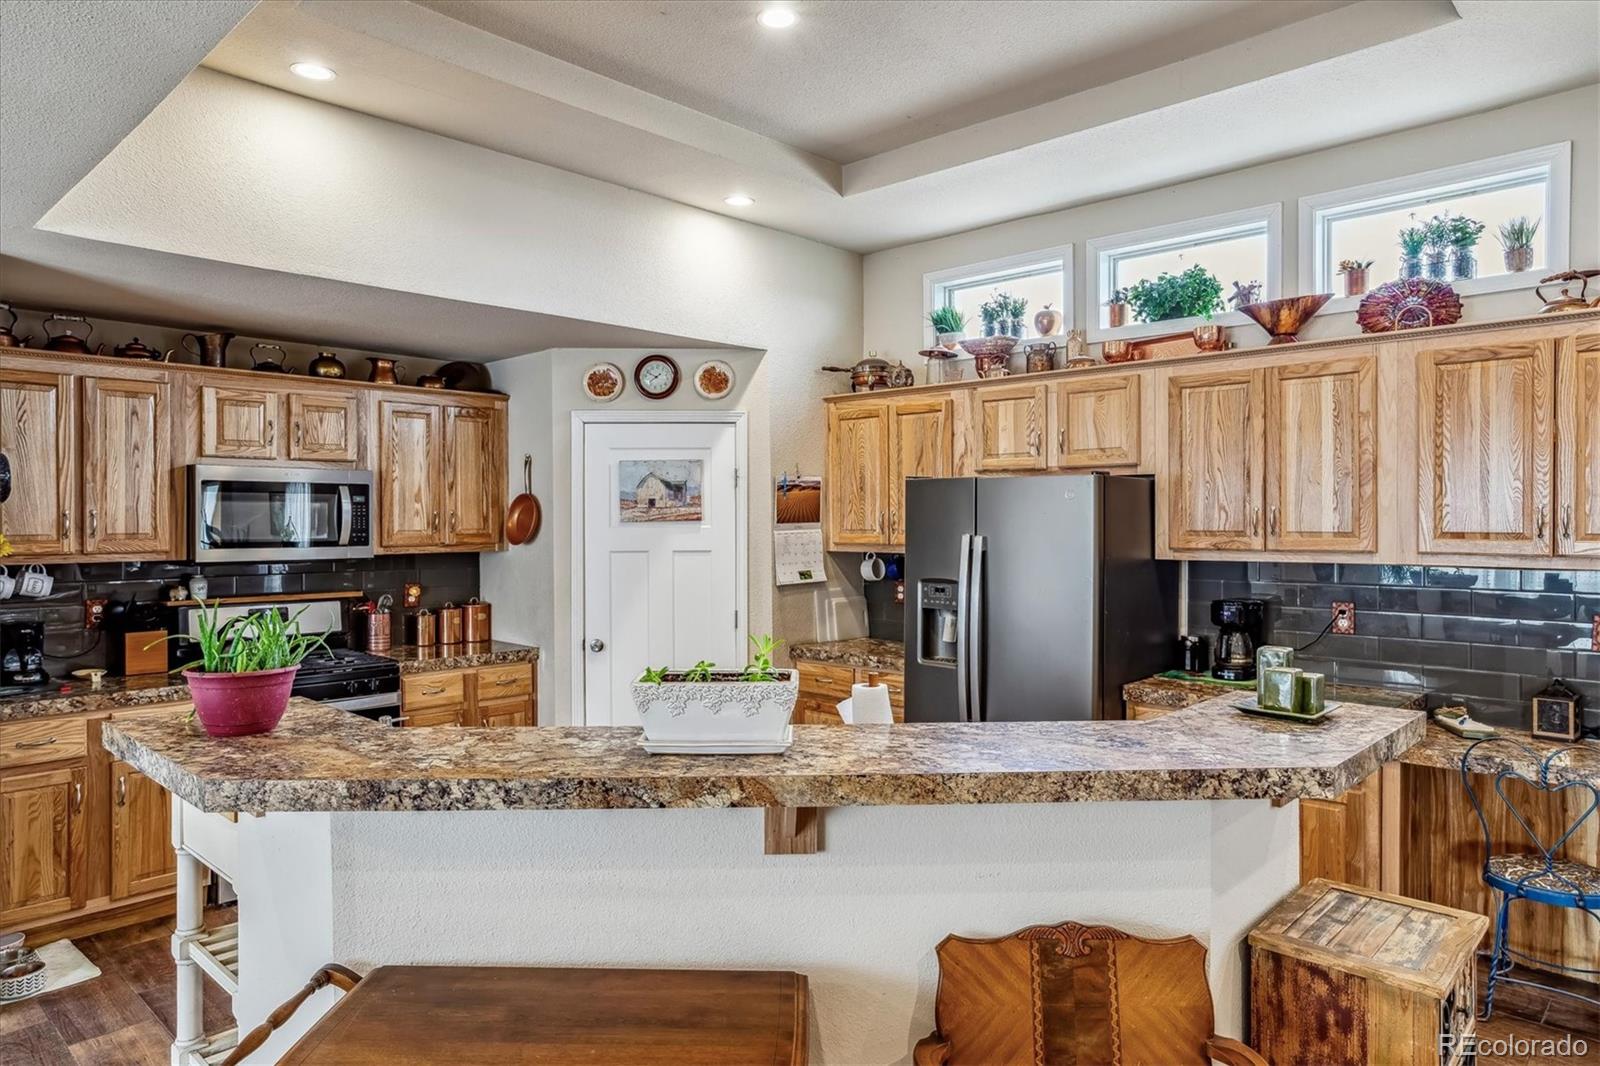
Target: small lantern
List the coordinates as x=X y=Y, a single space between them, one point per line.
x=411 y=597
x=1557 y=713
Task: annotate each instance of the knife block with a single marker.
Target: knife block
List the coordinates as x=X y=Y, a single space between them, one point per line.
x=129 y=654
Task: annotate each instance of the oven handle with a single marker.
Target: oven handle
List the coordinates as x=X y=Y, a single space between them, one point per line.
x=365 y=703
x=346 y=515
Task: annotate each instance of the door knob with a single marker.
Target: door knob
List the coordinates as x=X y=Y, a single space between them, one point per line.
x=597 y=645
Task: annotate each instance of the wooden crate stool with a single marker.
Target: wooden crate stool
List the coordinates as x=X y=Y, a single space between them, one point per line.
x=1345 y=976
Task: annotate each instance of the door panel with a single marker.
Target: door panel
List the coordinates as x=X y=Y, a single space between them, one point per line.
x=1097 y=422
x=474 y=476
x=409 y=465
x=324 y=428
x=1578 y=461
x=1484 y=463
x=939 y=513
x=1322 y=455
x=1009 y=423
x=42 y=842
x=127 y=468
x=660 y=556
x=1214 y=461
x=142 y=859
x=919 y=446
x=36 y=436
x=238 y=423
x=858 y=471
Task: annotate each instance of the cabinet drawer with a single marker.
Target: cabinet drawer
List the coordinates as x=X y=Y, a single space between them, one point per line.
x=433 y=690
x=824 y=682
x=815 y=712
x=504 y=682
x=432 y=717
x=43 y=740
x=494 y=714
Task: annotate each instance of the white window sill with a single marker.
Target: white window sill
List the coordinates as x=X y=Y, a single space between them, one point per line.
x=1523 y=280
x=1135 y=330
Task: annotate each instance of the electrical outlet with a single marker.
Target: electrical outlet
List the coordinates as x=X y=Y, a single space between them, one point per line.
x=94 y=612
x=1344 y=618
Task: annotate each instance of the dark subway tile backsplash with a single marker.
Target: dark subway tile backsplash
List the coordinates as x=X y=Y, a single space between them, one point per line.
x=1485 y=637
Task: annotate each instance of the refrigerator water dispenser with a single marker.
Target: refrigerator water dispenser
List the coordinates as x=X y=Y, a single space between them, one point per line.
x=938 y=622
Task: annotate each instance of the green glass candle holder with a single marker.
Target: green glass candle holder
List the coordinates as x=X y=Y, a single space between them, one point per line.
x=1276 y=688
x=1267 y=657
x=1309 y=692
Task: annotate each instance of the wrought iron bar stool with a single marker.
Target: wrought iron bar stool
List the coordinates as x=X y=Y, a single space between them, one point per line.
x=1537 y=876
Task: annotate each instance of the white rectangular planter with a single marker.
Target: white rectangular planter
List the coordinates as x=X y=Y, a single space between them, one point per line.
x=717 y=710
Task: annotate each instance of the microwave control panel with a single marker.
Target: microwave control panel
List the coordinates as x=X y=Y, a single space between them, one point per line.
x=361 y=515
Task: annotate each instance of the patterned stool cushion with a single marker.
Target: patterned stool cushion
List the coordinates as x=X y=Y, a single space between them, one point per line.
x=1529 y=875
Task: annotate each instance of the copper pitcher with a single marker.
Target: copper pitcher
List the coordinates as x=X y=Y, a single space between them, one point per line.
x=210 y=348
x=384 y=371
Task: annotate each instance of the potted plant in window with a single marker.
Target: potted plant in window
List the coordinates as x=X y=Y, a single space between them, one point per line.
x=1437 y=243
x=1413 y=239
x=1016 y=308
x=1516 y=238
x=1117 y=309
x=948 y=325
x=991 y=311
x=1244 y=293
x=1355 y=275
x=240 y=685
x=1464 y=234
x=1195 y=293
x=703 y=708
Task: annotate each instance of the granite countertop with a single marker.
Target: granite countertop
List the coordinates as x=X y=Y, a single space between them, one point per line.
x=71 y=696
x=1181 y=692
x=322 y=759
x=1442 y=750
x=863 y=653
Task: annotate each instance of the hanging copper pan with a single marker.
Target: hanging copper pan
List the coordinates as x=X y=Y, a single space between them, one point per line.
x=522 y=519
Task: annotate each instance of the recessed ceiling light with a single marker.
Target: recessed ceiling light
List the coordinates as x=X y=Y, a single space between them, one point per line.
x=738 y=199
x=314 y=71
x=777 y=18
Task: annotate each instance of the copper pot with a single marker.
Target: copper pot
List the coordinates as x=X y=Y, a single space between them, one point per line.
x=135 y=350
x=325 y=365
x=8 y=339
x=475 y=621
x=450 y=624
x=430 y=381
x=1210 y=337
x=384 y=371
x=867 y=375
x=69 y=342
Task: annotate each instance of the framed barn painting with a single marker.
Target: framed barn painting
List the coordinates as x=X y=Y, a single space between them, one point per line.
x=659 y=490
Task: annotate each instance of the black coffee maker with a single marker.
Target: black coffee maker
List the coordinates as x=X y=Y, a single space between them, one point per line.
x=22 y=654
x=1240 y=624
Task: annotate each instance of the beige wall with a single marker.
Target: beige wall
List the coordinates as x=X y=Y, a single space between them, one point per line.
x=892 y=279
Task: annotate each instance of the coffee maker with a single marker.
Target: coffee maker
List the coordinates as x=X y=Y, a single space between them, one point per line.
x=1240 y=624
x=22 y=654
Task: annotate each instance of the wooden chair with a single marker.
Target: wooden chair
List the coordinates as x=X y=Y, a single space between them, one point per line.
x=1075 y=995
x=340 y=977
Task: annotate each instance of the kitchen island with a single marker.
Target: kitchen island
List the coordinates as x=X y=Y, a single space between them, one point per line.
x=574 y=847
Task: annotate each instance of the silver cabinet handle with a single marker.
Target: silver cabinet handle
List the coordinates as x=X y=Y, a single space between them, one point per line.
x=66 y=524
x=77 y=796
x=452 y=521
x=272 y=431
x=597 y=645
x=45 y=743
x=299 y=434
x=1272 y=520
x=881 y=523
x=1566 y=522
x=504 y=681
x=393 y=719
x=1538 y=525
x=94 y=521
x=433 y=691
x=122 y=790
x=1255 y=521
x=434 y=522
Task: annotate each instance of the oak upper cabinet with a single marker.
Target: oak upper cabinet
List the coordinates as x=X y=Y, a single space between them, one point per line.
x=239 y=423
x=474 y=477
x=127 y=468
x=43 y=843
x=1008 y=428
x=857 y=478
x=1485 y=441
x=1097 y=423
x=920 y=445
x=323 y=427
x=36 y=435
x=142 y=859
x=410 y=461
x=1578 y=446
x=1215 y=441
x=1322 y=456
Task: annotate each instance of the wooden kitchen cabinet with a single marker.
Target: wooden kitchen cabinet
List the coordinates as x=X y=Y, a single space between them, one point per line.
x=37 y=433
x=1097 y=423
x=857 y=479
x=505 y=694
x=42 y=842
x=410 y=461
x=142 y=857
x=474 y=477
x=920 y=445
x=237 y=423
x=441 y=476
x=1485 y=438
x=127 y=468
x=824 y=685
x=1215 y=462
x=324 y=427
x=1008 y=428
x=1340 y=838
x=1578 y=446
x=1322 y=456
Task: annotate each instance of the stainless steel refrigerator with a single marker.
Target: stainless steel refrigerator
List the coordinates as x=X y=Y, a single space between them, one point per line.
x=1033 y=598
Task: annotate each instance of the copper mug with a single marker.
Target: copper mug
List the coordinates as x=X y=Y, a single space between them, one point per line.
x=475 y=621
x=450 y=624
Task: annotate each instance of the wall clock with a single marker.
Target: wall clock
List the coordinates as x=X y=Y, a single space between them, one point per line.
x=657 y=376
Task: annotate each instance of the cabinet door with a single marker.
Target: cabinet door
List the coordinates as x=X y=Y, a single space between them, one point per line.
x=1322 y=456
x=409 y=472
x=1339 y=837
x=42 y=842
x=36 y=436
x=1098 y=422
x=920 y=444
x=858 y=473
x=1484 y=426
x=127 y=468
x=142 y=859
x=474 y=478
x=1008 y=423
x=1578 y=457
x=1214 y=461
x=238 y=423
x=323 y=428
x=496 y=713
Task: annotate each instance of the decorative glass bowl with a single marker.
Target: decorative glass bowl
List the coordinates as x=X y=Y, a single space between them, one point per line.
x=1287 y=317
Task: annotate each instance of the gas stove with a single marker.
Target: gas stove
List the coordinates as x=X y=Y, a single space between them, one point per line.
x=368 y=685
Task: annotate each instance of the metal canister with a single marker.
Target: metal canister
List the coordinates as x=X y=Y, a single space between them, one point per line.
x=359 y=625
x=380 y=631
x=422 y=628
x=450 y=624
x=475 y=621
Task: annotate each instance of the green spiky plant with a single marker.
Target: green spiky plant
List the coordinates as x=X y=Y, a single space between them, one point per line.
x=700 y=671
x=947 y=320
x=1518 y=232
x=1412 y=240
x=761 y=668
x=248 y=643
x=654 y=675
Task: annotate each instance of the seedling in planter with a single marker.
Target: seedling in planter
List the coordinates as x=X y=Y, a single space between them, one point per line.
x=654 y=675
x=700 y=671
x=760 y=668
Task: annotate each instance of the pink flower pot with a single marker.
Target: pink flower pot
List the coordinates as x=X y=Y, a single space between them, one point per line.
x=237 y=705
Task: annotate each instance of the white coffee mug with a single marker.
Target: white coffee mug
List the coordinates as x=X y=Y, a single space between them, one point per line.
x=872 y=567
x=8 y=584
x=35 y=582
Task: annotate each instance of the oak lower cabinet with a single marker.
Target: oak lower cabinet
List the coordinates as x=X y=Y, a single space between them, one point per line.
x=43 y=841
x=1340 y=838
x=504 y=694
x=441 y=476
x=142 y=858
x=1008 y=425
x=1098 y=423
x=38 y=434
x=857 y=479
x=1215 y=460
x=824 y=685
x=1578 y=446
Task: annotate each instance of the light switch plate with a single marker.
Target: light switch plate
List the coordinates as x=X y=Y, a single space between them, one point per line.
x=1344 y=618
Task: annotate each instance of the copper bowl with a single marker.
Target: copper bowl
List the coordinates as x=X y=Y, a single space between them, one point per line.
x=1117 y=352
x=1287 y=317
x=988 y=346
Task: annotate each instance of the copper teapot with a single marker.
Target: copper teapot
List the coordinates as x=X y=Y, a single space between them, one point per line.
x=9 y=339
x=69 y=342
x=135 y=350
x=272 y=362
x=1566 y=301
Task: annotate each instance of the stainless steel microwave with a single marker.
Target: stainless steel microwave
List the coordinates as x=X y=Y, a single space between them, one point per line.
x=273 y=514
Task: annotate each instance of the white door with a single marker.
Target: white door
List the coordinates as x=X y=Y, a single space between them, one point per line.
x=662 y=573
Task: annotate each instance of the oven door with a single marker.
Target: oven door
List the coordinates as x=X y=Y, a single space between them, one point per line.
x=272 y=514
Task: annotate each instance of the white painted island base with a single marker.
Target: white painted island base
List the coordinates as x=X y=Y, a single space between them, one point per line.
x=692 y=888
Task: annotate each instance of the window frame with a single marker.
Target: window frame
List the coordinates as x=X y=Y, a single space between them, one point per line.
x=1319 y=211
x=997 y=272
x=1102 y=251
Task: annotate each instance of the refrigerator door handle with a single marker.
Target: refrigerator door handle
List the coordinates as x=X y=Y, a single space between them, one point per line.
x=963 y=580
x=975 y=638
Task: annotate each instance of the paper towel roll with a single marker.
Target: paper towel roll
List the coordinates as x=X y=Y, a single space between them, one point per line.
x=870 y=705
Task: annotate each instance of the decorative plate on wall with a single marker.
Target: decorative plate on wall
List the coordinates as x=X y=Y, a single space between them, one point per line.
x=603 y=382
x=714 y=379
x=1409 y=304
x=656 y=376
